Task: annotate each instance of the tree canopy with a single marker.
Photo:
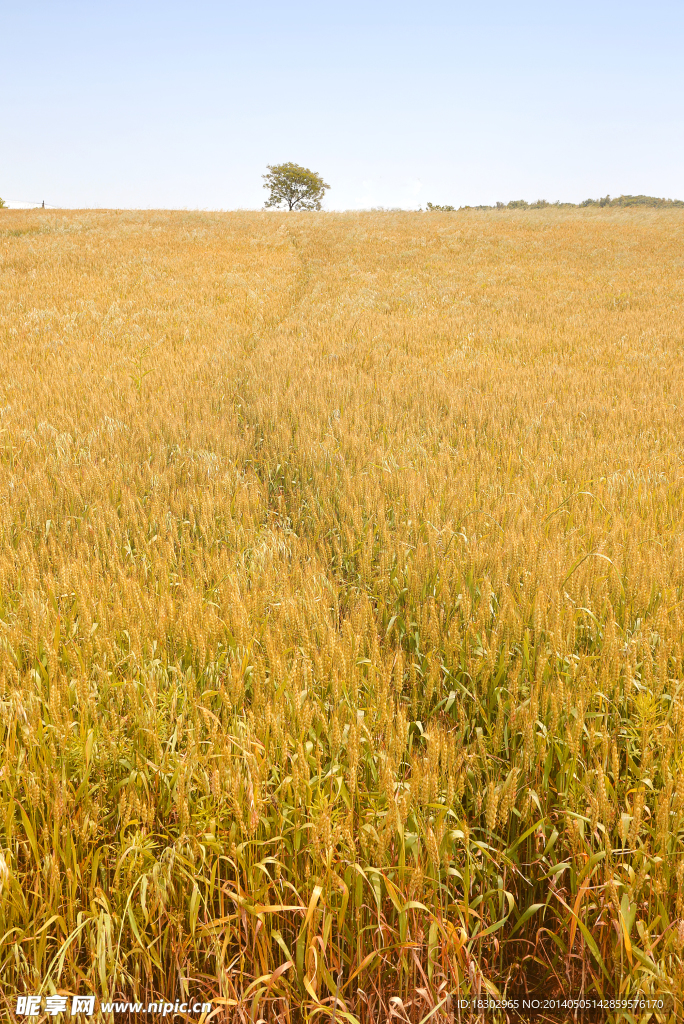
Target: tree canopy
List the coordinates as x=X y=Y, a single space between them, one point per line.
x=293 y=186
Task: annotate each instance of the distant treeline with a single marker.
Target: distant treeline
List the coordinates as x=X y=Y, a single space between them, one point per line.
x=541 y=204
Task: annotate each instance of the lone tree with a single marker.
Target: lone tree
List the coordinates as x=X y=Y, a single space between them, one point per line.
x=294 y=186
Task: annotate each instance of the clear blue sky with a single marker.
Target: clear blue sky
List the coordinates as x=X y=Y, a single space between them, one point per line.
x=177 y=104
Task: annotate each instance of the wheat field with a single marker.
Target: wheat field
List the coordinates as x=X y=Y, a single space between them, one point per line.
x=342 y=610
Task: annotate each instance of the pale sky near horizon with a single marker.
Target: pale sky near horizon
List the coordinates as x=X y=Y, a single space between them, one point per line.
x=142 y=103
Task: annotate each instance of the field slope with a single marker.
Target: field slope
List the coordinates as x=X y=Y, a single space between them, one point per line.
x=342 y=609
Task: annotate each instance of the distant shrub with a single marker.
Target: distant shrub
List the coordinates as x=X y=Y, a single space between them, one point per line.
x=651 y=201
x=645 y=201
x=2 y=203
x=542 y=204
x=596 y=202
x=434 y=207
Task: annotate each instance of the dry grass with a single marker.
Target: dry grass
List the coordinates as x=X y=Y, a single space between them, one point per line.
x=341 y=608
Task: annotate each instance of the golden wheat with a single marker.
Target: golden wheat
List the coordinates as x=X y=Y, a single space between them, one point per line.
x=341 y=608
